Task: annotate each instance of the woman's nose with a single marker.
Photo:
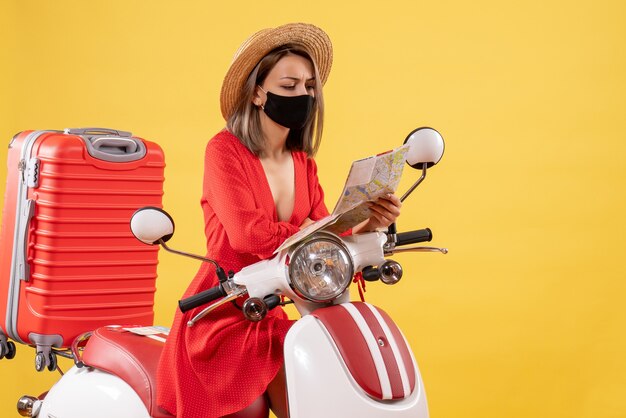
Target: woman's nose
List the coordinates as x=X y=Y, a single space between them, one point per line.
x=301 y=90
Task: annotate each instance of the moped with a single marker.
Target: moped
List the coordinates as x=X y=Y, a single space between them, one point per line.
x=342 y=358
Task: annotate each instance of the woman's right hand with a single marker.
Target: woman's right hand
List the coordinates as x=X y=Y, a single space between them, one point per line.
x=306 y=223
x=384 y=212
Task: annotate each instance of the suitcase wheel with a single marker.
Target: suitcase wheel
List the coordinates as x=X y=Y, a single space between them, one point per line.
x=52 y=366
x=40 y=361
x=45 y=359
x=7 y=350
x=11 y=350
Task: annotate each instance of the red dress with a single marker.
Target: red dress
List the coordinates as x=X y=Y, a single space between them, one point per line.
x=224 y=362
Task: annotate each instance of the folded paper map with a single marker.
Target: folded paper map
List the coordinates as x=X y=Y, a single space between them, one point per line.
x=368 y=180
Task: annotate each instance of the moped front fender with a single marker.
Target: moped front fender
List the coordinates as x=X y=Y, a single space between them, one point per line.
x=321 y=384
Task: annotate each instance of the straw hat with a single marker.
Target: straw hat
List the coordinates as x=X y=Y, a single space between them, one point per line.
x=313 y=39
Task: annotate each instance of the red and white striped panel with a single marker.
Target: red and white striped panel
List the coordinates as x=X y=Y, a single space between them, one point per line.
x=372 y=348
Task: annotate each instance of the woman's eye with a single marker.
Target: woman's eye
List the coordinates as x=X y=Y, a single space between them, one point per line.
x=289 y=87
x=310 y=88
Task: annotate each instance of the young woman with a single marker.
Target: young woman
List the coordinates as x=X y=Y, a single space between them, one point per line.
x=260 y=187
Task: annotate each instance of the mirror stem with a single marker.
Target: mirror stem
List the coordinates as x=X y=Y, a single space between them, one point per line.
x=417 y=183
x=391 y=230
x=221 y=275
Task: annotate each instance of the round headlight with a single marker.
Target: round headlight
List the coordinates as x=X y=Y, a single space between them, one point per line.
x=320 y=269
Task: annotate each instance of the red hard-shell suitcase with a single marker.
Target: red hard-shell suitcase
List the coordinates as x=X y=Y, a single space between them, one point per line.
x=68 y=260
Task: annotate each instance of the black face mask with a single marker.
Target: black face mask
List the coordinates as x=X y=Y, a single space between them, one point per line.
x=289 y=111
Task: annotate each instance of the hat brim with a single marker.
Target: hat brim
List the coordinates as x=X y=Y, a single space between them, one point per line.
x=313 y=39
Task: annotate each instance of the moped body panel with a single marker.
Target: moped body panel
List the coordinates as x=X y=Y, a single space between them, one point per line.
x=88 y=392
x=320 y=383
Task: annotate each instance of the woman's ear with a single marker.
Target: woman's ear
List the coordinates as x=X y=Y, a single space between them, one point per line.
x=257 y=100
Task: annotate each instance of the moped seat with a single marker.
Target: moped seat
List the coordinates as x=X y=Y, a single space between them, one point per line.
x=131 y=357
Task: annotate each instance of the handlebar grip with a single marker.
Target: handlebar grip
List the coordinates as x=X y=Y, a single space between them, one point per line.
x=201 y=298
x=370 y=274
x=412 y=237
x=271 y=301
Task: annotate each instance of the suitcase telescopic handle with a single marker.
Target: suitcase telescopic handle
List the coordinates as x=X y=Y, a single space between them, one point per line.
x=97 y=131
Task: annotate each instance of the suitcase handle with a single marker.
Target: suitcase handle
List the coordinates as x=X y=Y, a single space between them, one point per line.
x=107 y=144
x=110 y=145
x=97 y=131
x=22 y=253
x=115 y=149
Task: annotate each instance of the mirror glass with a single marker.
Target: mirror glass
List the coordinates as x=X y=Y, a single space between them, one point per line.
x=426 y=146
x=150 y=224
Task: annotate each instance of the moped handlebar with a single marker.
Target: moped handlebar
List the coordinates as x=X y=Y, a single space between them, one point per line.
x=413 y=237
x=217 y=292
x=201 y=298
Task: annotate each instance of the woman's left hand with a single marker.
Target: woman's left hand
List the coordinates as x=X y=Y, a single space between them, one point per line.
x=385 y=211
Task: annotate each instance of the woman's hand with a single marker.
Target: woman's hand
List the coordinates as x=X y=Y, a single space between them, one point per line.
x=385 y=211
x=306 y=223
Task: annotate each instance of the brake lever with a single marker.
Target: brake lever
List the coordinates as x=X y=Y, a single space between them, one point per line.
x=232 y=296
x=397 y=250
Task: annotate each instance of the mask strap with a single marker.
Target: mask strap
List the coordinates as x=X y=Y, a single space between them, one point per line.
x=262 y=106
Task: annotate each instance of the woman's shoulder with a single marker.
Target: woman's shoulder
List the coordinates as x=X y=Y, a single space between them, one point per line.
x=302 y=156
x=304 y=159
x=224 y=143
x=224 y=139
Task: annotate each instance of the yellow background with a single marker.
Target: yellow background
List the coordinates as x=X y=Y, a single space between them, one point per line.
x=525 y=316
